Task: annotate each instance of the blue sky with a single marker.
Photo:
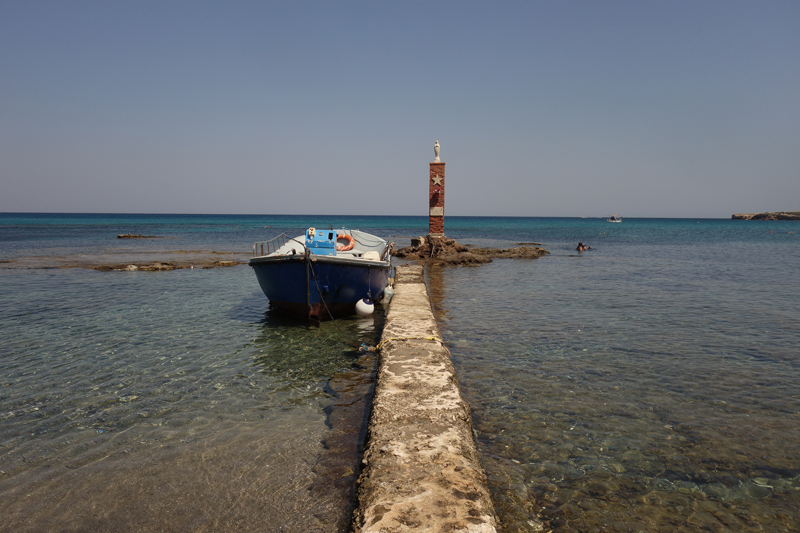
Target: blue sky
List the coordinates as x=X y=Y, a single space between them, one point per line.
x=550 y=108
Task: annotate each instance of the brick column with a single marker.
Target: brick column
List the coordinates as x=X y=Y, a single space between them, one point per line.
x=436 y=200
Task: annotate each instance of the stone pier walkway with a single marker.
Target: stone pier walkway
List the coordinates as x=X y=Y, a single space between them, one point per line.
x=421 y=468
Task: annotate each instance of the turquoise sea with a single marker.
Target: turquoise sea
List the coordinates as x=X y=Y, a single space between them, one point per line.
x=651 y=383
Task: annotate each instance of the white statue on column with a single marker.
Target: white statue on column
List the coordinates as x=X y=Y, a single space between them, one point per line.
x=436 y=152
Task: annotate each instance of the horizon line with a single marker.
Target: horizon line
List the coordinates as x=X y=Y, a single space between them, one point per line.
x=353 y=215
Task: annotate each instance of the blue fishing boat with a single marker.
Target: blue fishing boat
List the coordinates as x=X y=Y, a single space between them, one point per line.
x=324 y=273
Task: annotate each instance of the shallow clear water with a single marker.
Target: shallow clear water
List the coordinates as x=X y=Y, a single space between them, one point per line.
x=650 y=384
x=645 y=386
x=176 y=400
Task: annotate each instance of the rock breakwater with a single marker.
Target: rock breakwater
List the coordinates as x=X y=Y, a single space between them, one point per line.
x=446 y=251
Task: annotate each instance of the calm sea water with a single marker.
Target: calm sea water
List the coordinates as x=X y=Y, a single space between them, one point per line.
x=649 y=384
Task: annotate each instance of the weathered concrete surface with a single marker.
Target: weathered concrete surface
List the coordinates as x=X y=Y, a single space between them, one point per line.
x=421 y=468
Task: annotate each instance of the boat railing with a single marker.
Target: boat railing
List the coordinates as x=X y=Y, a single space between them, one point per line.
x=267 y=247
x=387 y=252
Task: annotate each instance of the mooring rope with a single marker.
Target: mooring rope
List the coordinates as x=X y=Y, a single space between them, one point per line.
x=316 y=282
x=384 y=341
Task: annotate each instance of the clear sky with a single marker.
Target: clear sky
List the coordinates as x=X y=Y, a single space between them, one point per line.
x=542 y=108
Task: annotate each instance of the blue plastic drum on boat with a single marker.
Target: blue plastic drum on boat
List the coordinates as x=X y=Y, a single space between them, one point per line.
x=321 y=242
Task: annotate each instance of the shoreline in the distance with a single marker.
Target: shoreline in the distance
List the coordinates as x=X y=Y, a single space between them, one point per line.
x=777 y=215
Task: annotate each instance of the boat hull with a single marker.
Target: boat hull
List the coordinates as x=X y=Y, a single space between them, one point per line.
x=319 y=287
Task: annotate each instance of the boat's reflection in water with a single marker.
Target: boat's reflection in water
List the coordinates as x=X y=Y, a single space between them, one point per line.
x=332 y=364
x=305 y=355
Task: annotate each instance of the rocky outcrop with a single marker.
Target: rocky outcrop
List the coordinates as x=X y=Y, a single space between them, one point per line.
x=445 y=251
x=780 y=215
x=132 y=259
x=146 y=267
x=518 y=252
x=159 y=266
x=216 y=264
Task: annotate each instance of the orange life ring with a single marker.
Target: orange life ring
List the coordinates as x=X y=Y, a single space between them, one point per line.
x=345 y=236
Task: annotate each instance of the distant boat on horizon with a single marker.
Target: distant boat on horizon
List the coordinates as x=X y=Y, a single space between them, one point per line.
x=614 y=218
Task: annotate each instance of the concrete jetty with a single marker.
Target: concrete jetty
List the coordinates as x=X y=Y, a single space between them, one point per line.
x=421 y=470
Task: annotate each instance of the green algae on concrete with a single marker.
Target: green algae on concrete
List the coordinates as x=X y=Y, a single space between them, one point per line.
x=421 y=467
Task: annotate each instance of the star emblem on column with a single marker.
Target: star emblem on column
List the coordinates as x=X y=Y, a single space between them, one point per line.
x=437 y=179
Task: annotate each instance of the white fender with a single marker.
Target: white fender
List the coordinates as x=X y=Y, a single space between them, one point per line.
x=365 y=307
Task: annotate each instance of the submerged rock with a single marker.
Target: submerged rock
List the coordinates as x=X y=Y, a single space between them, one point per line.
x=158 y=266
x=446 y=251
x=147 y=267
x=216 y=264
